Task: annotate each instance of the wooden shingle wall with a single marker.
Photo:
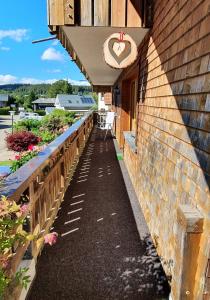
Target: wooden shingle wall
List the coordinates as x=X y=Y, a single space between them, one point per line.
x=173 y=133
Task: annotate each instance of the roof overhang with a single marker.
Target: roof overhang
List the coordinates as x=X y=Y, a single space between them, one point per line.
x=86 y=43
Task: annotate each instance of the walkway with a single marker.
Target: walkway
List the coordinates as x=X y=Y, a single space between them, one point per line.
x=99 y=254
x=5 y=127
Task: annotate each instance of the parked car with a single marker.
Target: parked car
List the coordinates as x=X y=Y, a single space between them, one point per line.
x=29 y=115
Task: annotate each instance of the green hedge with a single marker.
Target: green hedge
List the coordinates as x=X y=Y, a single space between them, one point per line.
x=4 y=110
x=41 y=112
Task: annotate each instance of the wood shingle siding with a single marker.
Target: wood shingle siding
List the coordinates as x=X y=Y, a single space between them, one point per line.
x=172 y=164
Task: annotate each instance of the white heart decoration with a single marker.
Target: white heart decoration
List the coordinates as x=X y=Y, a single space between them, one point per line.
x=118 y=48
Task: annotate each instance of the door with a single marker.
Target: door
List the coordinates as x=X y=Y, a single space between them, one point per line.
x=133 y=97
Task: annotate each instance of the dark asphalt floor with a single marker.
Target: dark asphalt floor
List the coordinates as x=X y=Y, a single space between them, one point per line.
x=99 y=253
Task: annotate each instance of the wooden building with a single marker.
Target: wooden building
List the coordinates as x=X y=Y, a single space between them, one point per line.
x=163 y=98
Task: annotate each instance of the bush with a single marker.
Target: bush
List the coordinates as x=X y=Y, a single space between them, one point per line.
x=20 y=160
x=4 y=110
x=27 y=125
x=41 y=112
x=20 y=141
x=63 y=113
x=57 y=120
x=52 y=123
x=46 y=136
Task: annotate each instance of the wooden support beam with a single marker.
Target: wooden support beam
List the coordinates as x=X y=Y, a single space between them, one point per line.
x=101 y=12
x=56 y=12
x=133 y=14
x=69 y=17
x=86 y=12
x=102 y=88
x=118 y=13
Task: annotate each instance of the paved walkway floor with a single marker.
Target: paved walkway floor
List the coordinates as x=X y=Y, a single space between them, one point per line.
x=99 y=253
x=5 y=127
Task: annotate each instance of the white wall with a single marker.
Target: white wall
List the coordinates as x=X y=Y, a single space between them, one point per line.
x=101 y=104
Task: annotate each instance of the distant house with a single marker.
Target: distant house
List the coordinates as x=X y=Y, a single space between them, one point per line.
x=4 y=98
x=74 y=102
x=42 y=103
x=67 y=102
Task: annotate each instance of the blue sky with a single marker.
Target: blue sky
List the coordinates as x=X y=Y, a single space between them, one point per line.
x=21 y=61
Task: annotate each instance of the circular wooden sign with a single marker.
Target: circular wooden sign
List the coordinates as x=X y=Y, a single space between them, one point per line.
x=120 y=50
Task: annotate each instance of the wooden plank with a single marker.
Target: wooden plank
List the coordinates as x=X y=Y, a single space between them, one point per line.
x=86 y=12
x=69 y=18
x=118 y=13
x=56 y=12
x=101 y=12
x=133 y=14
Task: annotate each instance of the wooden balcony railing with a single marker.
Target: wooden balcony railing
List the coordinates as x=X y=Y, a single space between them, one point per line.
x=44 y=180
x=115 y=13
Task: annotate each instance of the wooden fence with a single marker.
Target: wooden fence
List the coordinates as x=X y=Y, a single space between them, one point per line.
x=44 y=180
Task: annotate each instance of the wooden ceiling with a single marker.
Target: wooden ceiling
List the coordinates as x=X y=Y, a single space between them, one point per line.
x=67 y=17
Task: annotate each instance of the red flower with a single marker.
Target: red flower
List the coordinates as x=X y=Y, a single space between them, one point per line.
x=17 y=157
x=31 y=147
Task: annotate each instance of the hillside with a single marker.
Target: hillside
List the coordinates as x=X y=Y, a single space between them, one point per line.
x=38 y=89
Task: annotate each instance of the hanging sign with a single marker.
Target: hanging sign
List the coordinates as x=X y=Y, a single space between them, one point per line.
x=120 y=50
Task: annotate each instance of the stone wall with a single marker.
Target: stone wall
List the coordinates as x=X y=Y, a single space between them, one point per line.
x=172 y=164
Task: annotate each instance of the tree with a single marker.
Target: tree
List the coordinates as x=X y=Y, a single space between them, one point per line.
x=60 y=87
x=29 y=99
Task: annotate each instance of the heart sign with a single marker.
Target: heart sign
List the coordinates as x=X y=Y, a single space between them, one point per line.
x=118 y=48
x=120 y=53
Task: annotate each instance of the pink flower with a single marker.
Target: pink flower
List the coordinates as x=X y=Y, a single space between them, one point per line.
x=24 y=208
x=31 y=147
x=17 y=157
x=4 y=263
x=51 y=238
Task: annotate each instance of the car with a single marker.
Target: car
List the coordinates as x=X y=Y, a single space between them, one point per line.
x=29 y=115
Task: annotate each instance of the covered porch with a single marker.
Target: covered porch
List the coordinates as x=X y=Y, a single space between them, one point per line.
x=79 y=188
x=100 y=253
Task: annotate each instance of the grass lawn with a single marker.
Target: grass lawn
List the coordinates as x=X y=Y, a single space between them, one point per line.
x=6 y=163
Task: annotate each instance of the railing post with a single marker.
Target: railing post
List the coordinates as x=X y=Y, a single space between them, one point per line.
x=189 y=231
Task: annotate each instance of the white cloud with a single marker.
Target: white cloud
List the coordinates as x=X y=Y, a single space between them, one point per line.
x=9 y=79
x=28 y=80
x=55 y=43
x=54 y=71
x=79 y=82
x=52 y=54
x=17 y=35
x=4 y=48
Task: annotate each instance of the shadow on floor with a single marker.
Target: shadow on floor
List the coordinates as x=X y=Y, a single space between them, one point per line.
x=99 y=254
x=5 y=126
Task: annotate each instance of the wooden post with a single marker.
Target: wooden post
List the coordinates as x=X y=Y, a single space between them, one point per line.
x=189 y=230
